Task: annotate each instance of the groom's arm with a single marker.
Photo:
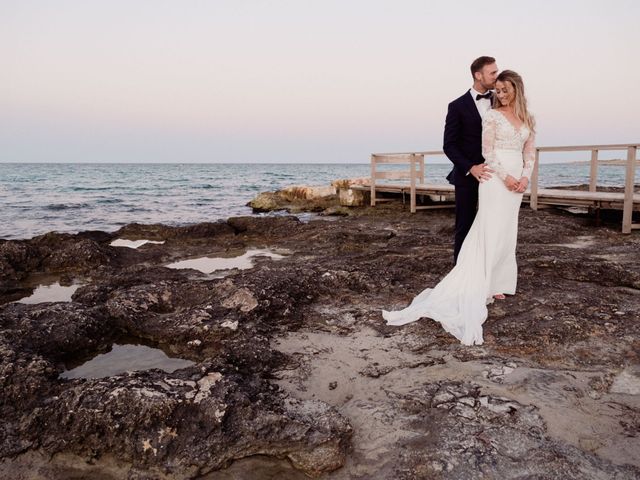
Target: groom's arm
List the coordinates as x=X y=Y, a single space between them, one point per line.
x=452 y=134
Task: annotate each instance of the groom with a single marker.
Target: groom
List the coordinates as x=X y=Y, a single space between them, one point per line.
x=463 y=144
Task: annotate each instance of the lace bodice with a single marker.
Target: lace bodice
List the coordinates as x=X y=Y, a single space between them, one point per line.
x=498 y=133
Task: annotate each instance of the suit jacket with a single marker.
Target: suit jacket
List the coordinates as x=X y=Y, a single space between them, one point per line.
x=463 y=139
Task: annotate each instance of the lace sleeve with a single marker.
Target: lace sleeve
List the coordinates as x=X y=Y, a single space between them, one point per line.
x=529 y=155
x=489 y=127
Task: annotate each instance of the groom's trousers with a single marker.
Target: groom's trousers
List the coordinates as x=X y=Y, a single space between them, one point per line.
x=466 y=206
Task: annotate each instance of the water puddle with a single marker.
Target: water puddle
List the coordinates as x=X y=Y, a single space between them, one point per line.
x=257 y=467
x=50 y=293
x=121 y=242
x=125 y=357
x=213 y=264
x=304 y=217
x=307 y=217
x=43 y=288
x=583 y=241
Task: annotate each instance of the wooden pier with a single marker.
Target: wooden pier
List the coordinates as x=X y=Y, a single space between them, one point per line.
x=414 y=184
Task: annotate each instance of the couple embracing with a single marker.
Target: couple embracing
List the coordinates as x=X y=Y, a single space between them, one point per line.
x=489 y=137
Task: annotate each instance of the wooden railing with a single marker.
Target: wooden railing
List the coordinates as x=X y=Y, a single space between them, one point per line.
x=414 y=173
x=416 y=164
x=630 y=174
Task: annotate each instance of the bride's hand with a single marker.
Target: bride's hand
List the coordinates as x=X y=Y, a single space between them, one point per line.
x=511 y=183
x=522 y=185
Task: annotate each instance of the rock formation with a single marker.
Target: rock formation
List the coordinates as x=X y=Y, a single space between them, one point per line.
x=295 y=371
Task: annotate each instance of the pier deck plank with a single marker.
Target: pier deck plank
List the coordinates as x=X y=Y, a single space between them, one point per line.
x=549 y=196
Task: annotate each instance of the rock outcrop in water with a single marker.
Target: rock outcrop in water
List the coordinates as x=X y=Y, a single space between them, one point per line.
x=329 y=199
x=293 y=360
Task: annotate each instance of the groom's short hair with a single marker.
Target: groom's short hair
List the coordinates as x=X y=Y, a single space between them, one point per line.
x=479 y=63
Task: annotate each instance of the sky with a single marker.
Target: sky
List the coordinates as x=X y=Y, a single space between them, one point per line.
x=297 y=81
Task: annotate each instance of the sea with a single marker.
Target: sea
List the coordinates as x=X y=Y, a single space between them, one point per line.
x=64 y=197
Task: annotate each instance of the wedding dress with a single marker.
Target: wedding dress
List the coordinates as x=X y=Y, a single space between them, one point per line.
x=486 y=263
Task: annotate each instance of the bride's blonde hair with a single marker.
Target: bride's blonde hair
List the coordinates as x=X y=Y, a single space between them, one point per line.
x=520 y=100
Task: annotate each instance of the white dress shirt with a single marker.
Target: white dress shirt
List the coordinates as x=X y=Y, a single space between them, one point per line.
x=483 y=105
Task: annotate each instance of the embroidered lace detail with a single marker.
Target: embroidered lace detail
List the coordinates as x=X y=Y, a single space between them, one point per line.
x=498 y=133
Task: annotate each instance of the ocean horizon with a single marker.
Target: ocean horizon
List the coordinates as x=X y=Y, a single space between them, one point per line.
x=36 y=198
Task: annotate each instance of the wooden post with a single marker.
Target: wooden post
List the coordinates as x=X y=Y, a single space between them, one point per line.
x=593 y=174
x=533 y=198
x=412 y=166
x=373 y=180
x=421 y=168
x=627 y=212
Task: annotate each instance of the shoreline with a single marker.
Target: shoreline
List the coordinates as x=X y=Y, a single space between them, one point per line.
x=305 y=201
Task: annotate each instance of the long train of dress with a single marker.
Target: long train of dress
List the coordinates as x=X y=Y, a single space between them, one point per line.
x=486 y=263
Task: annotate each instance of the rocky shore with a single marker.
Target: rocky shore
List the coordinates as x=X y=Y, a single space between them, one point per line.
x=295 y=374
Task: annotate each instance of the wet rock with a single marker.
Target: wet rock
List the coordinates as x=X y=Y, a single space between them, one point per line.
x=159 y=232
x=576 y=308
x=336 y=212
x=279 y=226
x=63 y=252
x=144 y=418
x=183 y=426
x=497 y=374
x=229 y=324
x=152 y=419
x=242 y=299
x=487 y=434
x=628 y=382
x=16 y=258
x=375 y=370
x=55 y=329
x=268 y=201
x=348 y=196
x=306 y=192
x=423 y=362
x=296 y=199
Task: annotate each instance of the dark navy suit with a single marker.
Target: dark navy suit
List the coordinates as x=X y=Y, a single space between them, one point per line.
x=463 y=146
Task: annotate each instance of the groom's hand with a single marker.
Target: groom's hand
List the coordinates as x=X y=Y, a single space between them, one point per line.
x=481 y=172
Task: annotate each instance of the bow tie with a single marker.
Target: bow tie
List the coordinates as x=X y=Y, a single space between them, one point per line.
x=487 y=95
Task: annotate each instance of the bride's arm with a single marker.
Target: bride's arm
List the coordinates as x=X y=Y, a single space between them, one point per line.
x=529 y=155
x=489 y=126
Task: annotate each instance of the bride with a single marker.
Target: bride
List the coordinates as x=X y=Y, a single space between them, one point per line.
x=486 y=266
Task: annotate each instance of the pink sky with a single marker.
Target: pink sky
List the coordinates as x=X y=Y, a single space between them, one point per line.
x=290 y=81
